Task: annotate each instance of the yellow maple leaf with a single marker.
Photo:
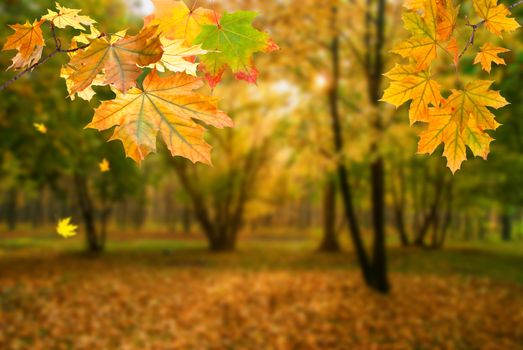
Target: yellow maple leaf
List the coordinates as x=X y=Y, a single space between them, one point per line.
x=473 y=101
x=66 y=17
x=19 y=62
x=85 y=38
x=453 y=50
x=166 y=106
x=421 y=46
x=488 y=54
x=495 y=16
x=65 y=228
x=118 y=59
x=446 y=19
x=443 y=129
x=408 y=84
x=175 y=57
x=40 y=127
x=27 y=39
x=177 y=21
x=104 y=166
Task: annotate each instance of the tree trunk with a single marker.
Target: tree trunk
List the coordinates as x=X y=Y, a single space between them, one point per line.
x=94 y=243
x=506 y=226
x=186 y=218
x=11 y=209
x=398 y=207
x=380 y=279
x=222 y=241
x=346 y=192
x=432 y=213
x=330 y=241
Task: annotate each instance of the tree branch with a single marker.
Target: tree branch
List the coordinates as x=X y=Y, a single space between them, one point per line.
x=58 y=49
x=476 y=26
x=27 y=70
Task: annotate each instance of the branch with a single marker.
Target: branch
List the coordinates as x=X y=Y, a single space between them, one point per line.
x=27 y=70
x=58 y=49
x=476 y=26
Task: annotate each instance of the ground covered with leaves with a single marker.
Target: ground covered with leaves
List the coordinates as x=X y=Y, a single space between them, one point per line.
x=57 y=301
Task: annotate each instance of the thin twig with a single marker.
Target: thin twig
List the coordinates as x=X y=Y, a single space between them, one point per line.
x=58 y=49
x=27 y=70
x=476 y=26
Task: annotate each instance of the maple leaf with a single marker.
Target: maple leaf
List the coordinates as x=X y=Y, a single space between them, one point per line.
x=86 y=38
x=445 y=19
x=408 y=84
x=104 y=166
x=66 y=17
x=442 y=128
x=88 y=93
x=65 y=228
x=168 y=106
x=421 y=46
x=40 y=127
x=473 y=101
x=27 y=39
x=414 y=4
x=453 y=49
x=495 y=16
x=118 y=58
x=22 y=63
x=176 y=57
x=177 y=21
x=232 y=43
x=488 y=54
x=430 y=23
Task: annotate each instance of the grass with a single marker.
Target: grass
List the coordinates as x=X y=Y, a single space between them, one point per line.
x=498 y=261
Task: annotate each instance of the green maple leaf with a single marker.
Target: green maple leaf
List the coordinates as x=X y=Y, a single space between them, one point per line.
x=232 y=43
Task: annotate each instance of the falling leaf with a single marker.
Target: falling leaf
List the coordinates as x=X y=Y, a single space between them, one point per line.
x=168 y=106
x=488 y=54
x=40 y=127
x=65 y=228
x=104 y=165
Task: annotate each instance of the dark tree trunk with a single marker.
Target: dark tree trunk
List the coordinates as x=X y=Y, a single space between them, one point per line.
x=374 y=72
x=345 y=189
x=11 y=209
x=330 y=241
x=186 y=218
x=481 y=228
x=398 y=207
x=95 y=243
x=431 y=215
x=506 y=226
x=380 y=279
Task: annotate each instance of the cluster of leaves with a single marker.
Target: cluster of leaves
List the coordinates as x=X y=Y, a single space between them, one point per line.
x=154 y=73
x=461 y=119
x=128 y=304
